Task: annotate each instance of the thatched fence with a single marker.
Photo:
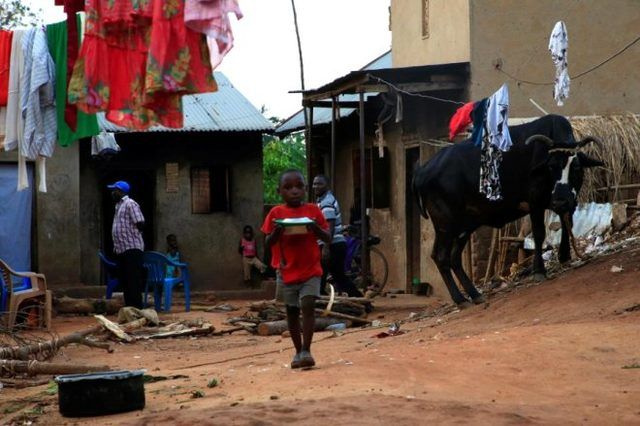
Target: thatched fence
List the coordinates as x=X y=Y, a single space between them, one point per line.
x=621 y=153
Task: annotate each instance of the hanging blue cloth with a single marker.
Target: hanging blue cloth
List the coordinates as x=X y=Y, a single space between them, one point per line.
x=478 y=115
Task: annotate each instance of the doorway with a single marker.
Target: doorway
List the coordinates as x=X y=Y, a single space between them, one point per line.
x=143 y=186
x=412 y=160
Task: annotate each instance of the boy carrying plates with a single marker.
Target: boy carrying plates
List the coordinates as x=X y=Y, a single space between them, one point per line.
x=296 y=257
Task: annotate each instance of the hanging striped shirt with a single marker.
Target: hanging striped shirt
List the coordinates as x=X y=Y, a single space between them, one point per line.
x=125 y=233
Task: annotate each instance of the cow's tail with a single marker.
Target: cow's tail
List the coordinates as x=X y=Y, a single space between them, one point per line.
x=418 y=197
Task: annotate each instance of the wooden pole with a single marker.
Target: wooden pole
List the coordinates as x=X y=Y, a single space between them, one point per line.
x=334 y=111
x=364 y=232
x=271 y=328
x=492 y=255
x=309 y=150
x=33 y=368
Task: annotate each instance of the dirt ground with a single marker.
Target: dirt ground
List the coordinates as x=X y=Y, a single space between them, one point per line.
x=566 y=351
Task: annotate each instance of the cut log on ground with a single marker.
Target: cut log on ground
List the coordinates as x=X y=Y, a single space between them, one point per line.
x=69 y=305
x=345 y=316
x=21 y=383
x=33 y=368
x=204 y=330
x=48 y=348
x=271 y=328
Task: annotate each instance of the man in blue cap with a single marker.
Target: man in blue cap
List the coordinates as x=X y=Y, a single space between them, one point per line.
x=128 y=245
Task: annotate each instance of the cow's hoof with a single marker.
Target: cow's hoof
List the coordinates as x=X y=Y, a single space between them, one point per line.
x=478 y=300
x=539 y=277
x=464 y=305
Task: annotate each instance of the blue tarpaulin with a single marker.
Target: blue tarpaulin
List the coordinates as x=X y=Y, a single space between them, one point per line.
x=15 y=218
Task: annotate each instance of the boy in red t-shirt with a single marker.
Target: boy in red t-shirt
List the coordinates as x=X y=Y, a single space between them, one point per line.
x=296 y=257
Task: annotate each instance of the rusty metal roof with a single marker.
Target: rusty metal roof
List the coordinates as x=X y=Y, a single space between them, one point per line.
x=323 y=115
x=226 y=110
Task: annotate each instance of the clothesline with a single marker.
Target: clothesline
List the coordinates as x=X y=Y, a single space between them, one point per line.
x=419 y=95
x=593 y=68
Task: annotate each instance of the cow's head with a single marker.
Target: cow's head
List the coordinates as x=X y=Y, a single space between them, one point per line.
x=565 y=165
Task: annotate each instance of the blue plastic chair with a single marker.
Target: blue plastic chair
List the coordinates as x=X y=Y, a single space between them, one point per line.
x=156 y=265
x=112 y=274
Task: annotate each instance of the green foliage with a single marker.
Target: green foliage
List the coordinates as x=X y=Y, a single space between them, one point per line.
x=15 y=13
x=278 y=156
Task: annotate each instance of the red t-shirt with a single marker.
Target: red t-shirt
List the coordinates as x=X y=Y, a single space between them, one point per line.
x=299 y=252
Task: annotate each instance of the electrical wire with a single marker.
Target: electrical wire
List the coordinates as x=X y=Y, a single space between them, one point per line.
x=575 y=77
x=419 y=95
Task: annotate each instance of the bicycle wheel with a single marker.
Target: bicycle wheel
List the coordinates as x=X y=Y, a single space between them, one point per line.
x=379 y=269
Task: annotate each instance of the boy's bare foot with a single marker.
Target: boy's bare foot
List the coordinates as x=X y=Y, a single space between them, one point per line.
x=296 y=362
x=306 y=360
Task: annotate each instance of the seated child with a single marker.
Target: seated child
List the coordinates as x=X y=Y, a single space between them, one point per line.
x=297 y=259
x=173 y=254
x=249 y=252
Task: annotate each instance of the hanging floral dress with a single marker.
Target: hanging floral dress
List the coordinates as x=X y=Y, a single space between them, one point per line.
x=137 y=60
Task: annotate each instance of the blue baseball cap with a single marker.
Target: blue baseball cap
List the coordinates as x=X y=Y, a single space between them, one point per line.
x=121 y=185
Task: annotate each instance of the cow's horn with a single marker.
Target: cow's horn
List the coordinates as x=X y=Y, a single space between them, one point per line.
x=589 y=139
x=542 y=138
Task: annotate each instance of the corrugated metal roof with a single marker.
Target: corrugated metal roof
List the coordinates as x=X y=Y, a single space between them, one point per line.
x=226 y=110
x=323 y=115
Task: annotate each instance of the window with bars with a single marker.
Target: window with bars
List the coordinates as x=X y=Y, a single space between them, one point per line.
x=210 y=190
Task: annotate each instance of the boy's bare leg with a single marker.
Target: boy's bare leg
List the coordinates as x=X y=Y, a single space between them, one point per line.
x=308 y=321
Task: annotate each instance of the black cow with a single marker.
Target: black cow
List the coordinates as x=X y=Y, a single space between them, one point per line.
x=542 y=170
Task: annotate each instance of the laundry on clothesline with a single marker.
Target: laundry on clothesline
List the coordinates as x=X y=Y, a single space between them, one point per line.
x=558 y=46
x=490 y=133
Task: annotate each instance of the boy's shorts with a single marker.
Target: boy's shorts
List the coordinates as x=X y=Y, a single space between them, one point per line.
x=291 y=294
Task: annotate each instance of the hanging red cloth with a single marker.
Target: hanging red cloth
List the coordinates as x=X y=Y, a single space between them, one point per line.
x=71 y=7
x=460 y=120
x=137 y=60
x=5 y=55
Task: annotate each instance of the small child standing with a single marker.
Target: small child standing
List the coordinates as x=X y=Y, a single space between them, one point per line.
x=297 y=260
x=249 y=253
x=173 y=254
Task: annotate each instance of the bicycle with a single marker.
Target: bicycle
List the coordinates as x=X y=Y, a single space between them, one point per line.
x=378 y=265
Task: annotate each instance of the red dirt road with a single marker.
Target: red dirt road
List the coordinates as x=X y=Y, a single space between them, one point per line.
x=550 y=354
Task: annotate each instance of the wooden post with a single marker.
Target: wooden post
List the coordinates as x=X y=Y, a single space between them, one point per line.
x=309 y=152
x=334 y=111
x=364 y=232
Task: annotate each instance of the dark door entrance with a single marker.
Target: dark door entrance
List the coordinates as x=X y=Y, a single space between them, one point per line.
x=143 y=185
x=412 y=157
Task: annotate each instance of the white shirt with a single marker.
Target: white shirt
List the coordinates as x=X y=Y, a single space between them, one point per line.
x=497 y=118
x=558 y=46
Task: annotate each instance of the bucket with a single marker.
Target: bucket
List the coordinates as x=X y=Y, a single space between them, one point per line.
x=96 y=394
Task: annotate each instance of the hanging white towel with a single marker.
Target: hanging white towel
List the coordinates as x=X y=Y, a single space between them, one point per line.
x=558 y=46
x=497 y=118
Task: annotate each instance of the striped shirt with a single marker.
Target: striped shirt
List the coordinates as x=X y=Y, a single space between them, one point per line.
x=37 y=96
x=125 y=233
x=331 y=211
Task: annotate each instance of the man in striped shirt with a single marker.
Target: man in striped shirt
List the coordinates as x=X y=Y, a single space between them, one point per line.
x=128 y=223
x=334 y=253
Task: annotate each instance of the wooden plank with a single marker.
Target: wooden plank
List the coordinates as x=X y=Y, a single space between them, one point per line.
x=114 y=328
x=411 y=87
x=616 y=187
